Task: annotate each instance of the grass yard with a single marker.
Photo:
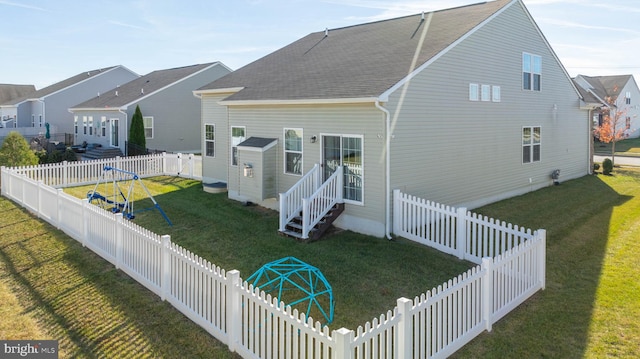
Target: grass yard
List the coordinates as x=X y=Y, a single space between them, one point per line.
x=630 y=147
x=56 y=289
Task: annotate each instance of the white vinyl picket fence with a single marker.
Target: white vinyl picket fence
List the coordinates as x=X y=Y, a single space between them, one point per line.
x=254 y=324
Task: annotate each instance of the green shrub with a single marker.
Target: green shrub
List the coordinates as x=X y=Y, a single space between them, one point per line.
x=596 y=166
x=607 y=166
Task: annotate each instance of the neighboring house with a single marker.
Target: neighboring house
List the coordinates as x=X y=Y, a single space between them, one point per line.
x=51 y=104
x=9 y=92
x=621 y=91
x=171 y=113
x=464 y=106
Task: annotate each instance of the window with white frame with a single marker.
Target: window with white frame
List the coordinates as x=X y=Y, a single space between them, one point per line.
x=237 y=136
x=485 y=93
x=495 y=93
x=209 y=140
x=148 y=126
x=627 y=98
x=293 y=151
x=531 y=72
x=352 y=161
x=75 y=124
x=33 y=120
x=531 y=144
x=90 y=125
x=103 y=126
x=84 y=124
x=628 y=123
x=40 y=121
x=474 y=90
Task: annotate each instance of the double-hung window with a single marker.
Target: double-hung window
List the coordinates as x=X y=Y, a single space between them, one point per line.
x=148 y=126
x=209 y=140
x=237 y=136
x=293 y=151
x=90 y=125
x=531 y=72
x=75 y=124
x=530 y=144
x=84 y=124
x=103 y=126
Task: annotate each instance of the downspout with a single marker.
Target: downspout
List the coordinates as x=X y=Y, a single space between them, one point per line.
x=126 y=127
x=387 y=121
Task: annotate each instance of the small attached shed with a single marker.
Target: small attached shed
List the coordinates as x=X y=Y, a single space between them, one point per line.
x=256 y=170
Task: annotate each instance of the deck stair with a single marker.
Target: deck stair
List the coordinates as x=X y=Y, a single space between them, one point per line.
x=294 y=227
x=309 y=208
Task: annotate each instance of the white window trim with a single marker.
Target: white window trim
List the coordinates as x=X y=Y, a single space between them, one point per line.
x=285 y=151
x=485 y=93
x=84 y=125
x=532 y=72
x=144 y=125
x=75 y=125
x=231 y=143
x=103 y=126
x=474 y=92
x=495 y=94
x=213 y=141
x=531 y=145
x=361 y=137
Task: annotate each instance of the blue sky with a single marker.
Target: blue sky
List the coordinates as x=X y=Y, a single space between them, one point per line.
x=46 y=41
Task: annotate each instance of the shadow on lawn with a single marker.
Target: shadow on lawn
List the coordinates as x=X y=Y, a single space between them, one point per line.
x=555 y=322
x=93 y=309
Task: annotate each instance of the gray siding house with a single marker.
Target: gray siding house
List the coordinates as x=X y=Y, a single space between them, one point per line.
x=620 y=91
x=171 y=113
x=50 y=104
x=464 y=106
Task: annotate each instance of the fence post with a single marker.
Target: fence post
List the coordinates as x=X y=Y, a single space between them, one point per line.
x=487 y=292
x=39 y=205
x=283 y=212
x=461 y=232
x=164 y=163
x=85 y=221
x=65 y=174
x=396 y=211
x=234 y=318
x=58 y=211
x=344 y=338
x=191 y=166
x=165 y=265
x=542 y=257
x=405 y=328
x=119 y=234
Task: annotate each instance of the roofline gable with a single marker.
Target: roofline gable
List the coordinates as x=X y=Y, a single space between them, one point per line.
x=125 y=106
x=384 y=97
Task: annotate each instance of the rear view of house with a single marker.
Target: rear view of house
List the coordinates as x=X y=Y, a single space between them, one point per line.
x=463 y=106
x=50 y=104
x=171 y=114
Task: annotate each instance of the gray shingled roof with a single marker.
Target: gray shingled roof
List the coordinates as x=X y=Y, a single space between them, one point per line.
x=358 y=61
x=607 y=86
x=9 y=92
x=59 y=85
x=140 y=87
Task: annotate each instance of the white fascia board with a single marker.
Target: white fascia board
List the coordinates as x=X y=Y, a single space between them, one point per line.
x=299 y=102
x=93 y=109
x=218 y=91
x=384 y=97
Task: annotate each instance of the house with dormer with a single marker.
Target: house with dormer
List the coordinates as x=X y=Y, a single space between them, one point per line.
x=171 y=114
x=50 y=104
x=463 y=106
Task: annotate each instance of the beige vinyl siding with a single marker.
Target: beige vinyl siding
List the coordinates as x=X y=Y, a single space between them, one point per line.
x=215 y=168
x=459 y=152
x=318 y=120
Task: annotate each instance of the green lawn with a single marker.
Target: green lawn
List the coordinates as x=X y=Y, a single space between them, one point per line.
x=630 y=147
x=590 y=308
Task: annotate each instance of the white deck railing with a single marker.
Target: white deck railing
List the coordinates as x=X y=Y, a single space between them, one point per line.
x=316 y=206
x=291 y=200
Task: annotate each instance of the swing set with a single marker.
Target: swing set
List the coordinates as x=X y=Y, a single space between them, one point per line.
x=120 y=198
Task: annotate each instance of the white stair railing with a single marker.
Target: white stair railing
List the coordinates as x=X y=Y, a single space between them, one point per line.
x=291 y=201
x=316 y=206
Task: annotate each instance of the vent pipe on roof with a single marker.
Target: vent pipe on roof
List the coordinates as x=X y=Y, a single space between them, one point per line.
x=142 y=91
x=422 y=17
x=326 y=32
x=98 y=94
x=116 y=93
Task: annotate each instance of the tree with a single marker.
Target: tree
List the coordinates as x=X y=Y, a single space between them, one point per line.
x=136 y=133
x=614 y=124
x=15 y=151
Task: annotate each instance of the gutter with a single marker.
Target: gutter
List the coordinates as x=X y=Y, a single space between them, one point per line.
x=387 y=121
